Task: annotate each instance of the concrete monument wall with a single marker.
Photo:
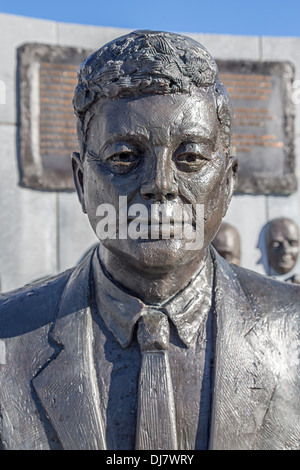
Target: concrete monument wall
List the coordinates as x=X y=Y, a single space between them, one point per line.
x=45 y=232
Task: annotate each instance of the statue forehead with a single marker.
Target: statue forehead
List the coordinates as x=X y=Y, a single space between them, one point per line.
x=192 y=111
x=161 y=120
x=282 y=227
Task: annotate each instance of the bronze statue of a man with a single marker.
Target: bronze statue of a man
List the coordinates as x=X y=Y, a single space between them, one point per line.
x=152 y=341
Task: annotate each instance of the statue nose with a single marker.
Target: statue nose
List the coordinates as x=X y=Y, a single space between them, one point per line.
x=160 y=187
x=160 y=182
x=159 y=191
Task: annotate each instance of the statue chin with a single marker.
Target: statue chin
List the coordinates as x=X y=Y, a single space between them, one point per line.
x=283 y=267
x=147 y=256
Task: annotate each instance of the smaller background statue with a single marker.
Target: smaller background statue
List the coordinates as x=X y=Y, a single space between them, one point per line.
x=227 y=243
x=282 y=246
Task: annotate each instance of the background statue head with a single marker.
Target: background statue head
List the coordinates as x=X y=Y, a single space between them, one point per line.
x=282 y=243
x=227 y=243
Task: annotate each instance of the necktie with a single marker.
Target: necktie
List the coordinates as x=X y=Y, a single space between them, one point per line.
x=156 y=424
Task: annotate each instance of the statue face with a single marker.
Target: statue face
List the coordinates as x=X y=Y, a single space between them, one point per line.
x=158 y=148
x=283 y=245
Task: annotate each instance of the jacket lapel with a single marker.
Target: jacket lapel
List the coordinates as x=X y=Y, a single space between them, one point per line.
x=67 y=387
x=243 y=384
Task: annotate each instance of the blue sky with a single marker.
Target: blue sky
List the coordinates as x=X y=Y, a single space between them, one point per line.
x=255 y=17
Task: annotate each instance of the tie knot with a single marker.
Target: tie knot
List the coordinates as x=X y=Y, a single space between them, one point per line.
x=153 y=331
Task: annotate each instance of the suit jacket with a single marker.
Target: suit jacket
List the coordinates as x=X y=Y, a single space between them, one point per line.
x=49 y=397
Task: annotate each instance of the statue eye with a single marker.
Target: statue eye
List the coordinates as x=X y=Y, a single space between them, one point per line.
x=187 y=157
x=123 y=162
x=123 y=157
x=120 y=162
x=190 y=162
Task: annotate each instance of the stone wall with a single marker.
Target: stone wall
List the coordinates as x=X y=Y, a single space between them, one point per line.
x=43 y=232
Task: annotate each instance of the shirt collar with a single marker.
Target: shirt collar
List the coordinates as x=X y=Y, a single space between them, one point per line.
x=188 y=309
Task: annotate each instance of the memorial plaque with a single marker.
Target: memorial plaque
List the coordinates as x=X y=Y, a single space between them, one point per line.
x=47 y=77
x=263 y=131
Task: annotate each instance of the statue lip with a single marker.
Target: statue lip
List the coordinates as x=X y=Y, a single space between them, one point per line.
x=154 y=228
x=156 y=220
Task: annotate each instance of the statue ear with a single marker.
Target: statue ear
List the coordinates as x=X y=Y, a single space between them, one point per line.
x=231 y=181
x=77 y=168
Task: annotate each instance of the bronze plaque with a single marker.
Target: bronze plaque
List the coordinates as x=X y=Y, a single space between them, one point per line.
x=56 y=124
x=263 y=132
x=47 y=78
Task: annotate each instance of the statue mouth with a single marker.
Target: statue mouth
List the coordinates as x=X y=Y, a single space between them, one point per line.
x=285 y=260
x=162 y=222
x=155 y=229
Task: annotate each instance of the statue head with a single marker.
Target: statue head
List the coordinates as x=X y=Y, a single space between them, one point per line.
x=282 y=243
x=154 y=127
x=227 y=243
x=147 y=63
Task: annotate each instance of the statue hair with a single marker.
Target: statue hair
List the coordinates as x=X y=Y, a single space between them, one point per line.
x=142 y=63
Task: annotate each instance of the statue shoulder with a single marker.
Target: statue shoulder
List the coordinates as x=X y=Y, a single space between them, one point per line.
x=31 y=306
x=268 y=291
